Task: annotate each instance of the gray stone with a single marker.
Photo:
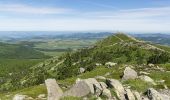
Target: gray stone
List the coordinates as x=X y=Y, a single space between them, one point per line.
x=129 y=74
x=80 y=89
x=147 y=79
x=82 y=70
x=20 y=97
x=54 y=91
x=118 y=88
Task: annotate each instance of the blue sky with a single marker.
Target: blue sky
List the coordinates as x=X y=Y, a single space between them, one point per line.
x=85 y=15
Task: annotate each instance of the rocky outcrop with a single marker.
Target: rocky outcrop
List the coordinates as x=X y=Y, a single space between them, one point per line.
x=80 y=89
x=54 y=91
x=147 y=79
x=119 y=89
x=129 y=74
x=154 y=95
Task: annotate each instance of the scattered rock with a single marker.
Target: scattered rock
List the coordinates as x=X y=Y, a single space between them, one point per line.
x=82 y=70
x=97 y=89
x=110 y=64
x=98 y=64
x=41 y=96
x=54 y=91
x=107 y=74
x=107 y=93
x=144 y=73
x=147 y=79
x=20 y=97
x=151 y=65
x=103 y=85
x=80 y=89
x=118 y=88
x=129 y=74
x=129 y=95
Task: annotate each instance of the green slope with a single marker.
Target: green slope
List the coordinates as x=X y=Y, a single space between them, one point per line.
x=118 y=48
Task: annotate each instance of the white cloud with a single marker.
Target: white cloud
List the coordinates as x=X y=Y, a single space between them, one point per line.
x=25 y=9
x=131 y=13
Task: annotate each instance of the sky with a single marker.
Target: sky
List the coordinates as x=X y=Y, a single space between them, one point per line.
x=85 y=15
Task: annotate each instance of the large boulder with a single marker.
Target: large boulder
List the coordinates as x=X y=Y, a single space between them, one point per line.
x=129 y=95
x=54 y=91
x=154 y=95
x=80 y=89
x=129 y=74
x=147 y=79
x=120 y=91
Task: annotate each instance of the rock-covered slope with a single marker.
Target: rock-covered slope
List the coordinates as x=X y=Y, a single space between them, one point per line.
x=134 y=66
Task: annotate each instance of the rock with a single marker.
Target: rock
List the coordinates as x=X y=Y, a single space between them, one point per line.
x=129 y=95
x=147 y=79
x=80 y=89
x=107 y=93
x=154 y=95
x=81 y=70
x=137 y=95
x=20 y=97
x=54 y=91
x=118 y=88
x=103 y=85
x=129 y=74
x=100 y=77
x=91 y=82
x=110 y=64
x=144 y=73
x=98 y=64
x=107 y=74
x=41 y=96
x=151 y=65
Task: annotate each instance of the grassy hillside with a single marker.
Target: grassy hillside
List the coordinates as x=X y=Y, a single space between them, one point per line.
x=118 y=48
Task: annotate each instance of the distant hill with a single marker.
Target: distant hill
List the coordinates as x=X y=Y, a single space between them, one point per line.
x=17 y=51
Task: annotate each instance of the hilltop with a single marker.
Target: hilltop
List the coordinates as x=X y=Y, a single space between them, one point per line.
x=118 y=50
